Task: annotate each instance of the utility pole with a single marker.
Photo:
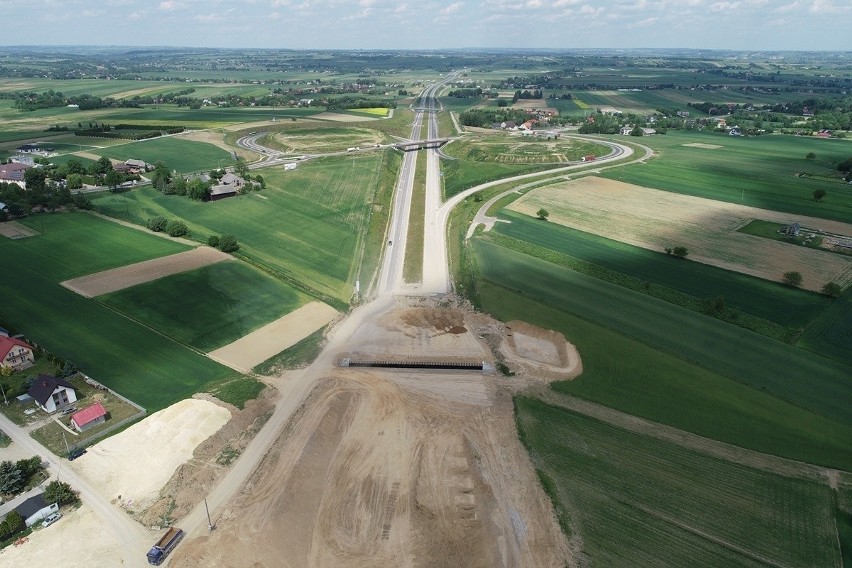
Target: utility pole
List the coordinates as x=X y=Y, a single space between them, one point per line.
x=4 y=395
x=209 y=522
x=67 y=449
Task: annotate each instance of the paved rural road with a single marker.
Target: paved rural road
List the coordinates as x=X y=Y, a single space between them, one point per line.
x=133 y=540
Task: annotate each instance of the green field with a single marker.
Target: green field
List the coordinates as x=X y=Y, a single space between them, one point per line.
x=316 y=138
x=774 y=302
x=178 y=154
x=630 y=376
x=146 y=367
x=637 y=501
x=831 y=333
x=307 y=226
x=758 y=171
x=208 y=307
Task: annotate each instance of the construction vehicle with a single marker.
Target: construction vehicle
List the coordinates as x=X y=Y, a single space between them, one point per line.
x=165 y=545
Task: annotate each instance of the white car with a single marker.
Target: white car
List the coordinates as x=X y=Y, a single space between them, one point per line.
x=52 y=518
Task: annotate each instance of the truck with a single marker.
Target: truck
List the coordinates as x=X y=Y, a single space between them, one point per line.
x=589 y=158
x=166 y=544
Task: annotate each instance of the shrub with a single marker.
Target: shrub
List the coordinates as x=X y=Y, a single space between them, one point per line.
x=680 y=252
x=228 y=243
x=177 y=229
x=213 y=241
x=59 y=492
x=792 y=278
x=157 y=224
x=832 y=289
x=11 y=524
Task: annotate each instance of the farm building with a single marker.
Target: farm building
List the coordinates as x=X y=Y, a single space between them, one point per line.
x=228 y=186
x=35 y=509
x=790 y=230
x=15 y=353
x=136 y=166
x=52 y=392
x=89 y=417
x=291 y=166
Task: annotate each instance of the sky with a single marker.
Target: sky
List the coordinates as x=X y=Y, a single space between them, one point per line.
x=422 y=24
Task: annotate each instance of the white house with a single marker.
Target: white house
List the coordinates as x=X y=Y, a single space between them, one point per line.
x=15 y=353
x=35 y=509
x=52 y=392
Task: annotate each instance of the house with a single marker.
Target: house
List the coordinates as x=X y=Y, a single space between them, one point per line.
x=791 y=230
x=626 y=130
x=35 y=509
x=291 y=166
x=15 y=353
x=28 y=148
x=121 y=168
x=136 y=166
x=528 y=125
x=735 y=131
x=13 y=173
x=89 y=417
x=648 y=131
x=232 y=179
x=51 y=393
x=25 y=159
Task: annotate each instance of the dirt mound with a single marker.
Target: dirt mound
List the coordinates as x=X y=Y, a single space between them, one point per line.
x=438 y=319
x=543 y=352
x=193 y=480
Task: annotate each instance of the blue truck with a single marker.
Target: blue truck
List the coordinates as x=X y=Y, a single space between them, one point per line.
x=165 y=545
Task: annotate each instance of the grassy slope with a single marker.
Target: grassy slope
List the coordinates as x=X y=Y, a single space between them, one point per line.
x=797 y=376
x=627 y=375
x=177 y=154
x=308 y=224
x=208 y=307
x=757 y=171
x=412 y=270
x=638 y=501
x=148 y=368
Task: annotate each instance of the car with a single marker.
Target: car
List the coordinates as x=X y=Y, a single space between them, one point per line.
x=390 y=243
x=52 y=518
x=76 y=453
x=69 y=410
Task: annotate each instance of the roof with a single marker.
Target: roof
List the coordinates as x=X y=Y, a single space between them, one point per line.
x=230 y=178
x=44 y=386
x=222 y=190
x=88 y=414
x=135 y=163
x=6 y=344
x=2 y=206
x=31 y=506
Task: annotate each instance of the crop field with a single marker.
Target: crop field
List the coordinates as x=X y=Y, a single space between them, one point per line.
x=139 y=363
x=637 y=501
x=831 y=333
x=748 y=357
x=178 y=154
x=662 y=378
x=769 y=300
x=758 y=171
x=655 y=219
x=317 y=140
x=208 y=307
x=308 y=225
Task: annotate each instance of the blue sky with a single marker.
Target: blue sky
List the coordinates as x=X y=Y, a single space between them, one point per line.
x=411 y=24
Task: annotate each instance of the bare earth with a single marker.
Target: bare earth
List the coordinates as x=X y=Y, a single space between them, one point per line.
x=275 y=337
x=397 y=468
x=15 y=230
x=655 y=219
x=145 y=271
x=339 y=117
x=702 y=145
x=137 y=462
x=77 y=540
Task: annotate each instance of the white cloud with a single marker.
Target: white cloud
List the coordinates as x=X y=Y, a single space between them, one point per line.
x=168 y=5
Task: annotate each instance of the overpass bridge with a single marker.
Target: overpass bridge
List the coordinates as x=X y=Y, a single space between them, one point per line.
x=421 y=144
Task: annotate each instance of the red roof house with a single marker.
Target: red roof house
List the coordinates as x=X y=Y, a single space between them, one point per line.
x=15 y=353
x=89 y=417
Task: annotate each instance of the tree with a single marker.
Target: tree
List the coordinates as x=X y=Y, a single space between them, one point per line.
x=636 y=132
x=103 y=166
x=213 y=241
x=197 y=189
x=792 y=278
x=543 y=214
x=810 y=156
x=228 y=243
x=177 y=186
x=11 y=479
x=13 y=523
x=177 y=228
x=715 y=306
x=819 y=194
x=259 y=179
x=59 y=492
x=160 y=178
x=113 y=179
x=832 y=289
x=680 y=252
x=241 y=168
x=74 y=181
